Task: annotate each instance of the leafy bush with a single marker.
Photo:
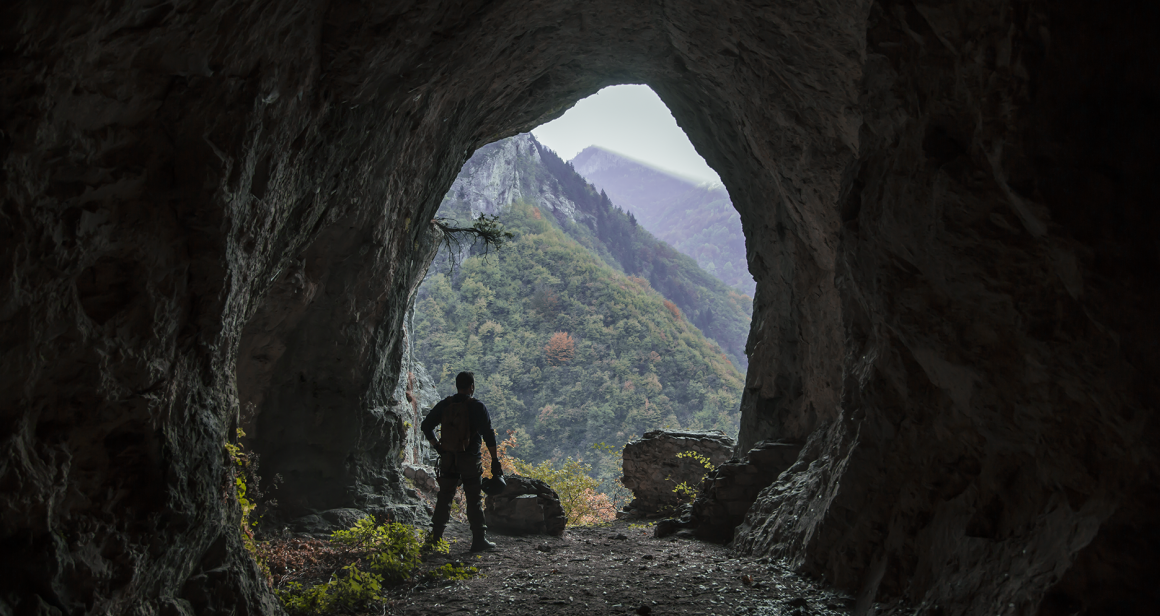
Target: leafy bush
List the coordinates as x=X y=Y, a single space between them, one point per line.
x=582 y=504
x=393 y=548
x=610 y=470
x=357 y=590
x=387 y=554
x=689 y=492
x=244 y=467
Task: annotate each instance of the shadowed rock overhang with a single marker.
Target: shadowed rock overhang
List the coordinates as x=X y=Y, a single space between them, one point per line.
x=217 y=213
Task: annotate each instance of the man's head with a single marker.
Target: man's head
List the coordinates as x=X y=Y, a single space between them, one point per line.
x=465 y=383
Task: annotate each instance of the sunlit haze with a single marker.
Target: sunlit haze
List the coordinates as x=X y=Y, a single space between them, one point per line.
x=630 y=120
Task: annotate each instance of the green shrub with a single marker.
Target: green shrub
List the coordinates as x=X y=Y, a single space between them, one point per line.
x=357 y=590
x=244 y=466
x=689 y=492
x=394 y=548
x=389 y=554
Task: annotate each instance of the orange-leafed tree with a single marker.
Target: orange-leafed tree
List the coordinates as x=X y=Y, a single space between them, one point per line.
x=501 y=451
x=561 y=348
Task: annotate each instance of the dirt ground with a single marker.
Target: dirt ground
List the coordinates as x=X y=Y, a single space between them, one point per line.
x=615 y=569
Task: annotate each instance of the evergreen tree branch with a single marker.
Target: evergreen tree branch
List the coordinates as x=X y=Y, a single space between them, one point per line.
x=486 y=229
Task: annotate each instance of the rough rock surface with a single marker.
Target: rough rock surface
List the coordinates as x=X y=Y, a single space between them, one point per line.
x=730 y=490
x=417 y=395
x=994 y=442
x=491 y=183
x=320 y=525
x=652 y=468
x=207 y=208
x=526 y=507
x=423 y=475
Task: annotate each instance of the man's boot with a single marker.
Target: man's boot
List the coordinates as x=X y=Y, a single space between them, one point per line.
x=433 y=537
x=480 y=543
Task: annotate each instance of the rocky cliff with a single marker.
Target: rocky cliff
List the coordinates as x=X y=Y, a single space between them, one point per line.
x=948 y=209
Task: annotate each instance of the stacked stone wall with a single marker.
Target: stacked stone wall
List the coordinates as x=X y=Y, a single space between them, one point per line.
x=527 y=507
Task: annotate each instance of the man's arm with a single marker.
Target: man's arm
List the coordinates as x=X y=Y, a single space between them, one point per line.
x=432 y=420
x=488 y=434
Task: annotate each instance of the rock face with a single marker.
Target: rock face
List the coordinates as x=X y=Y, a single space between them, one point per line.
x=526 y=507
x=320 y=525
x=730 y=490
x=652 y=468
x=416 y=391
x=212 y=213
x=423 y=475
x=491 y=180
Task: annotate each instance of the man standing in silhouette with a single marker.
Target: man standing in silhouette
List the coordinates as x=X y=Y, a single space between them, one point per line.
x=465 y=426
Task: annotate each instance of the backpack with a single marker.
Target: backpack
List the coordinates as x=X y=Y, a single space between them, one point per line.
x=456 y=433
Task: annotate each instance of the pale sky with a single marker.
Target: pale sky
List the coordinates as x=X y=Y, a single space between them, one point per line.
x=631 y=120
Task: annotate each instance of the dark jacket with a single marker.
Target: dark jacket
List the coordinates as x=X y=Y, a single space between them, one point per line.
x=481 y=430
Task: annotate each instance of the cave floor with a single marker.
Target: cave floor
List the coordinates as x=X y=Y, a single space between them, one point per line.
x=614 y=569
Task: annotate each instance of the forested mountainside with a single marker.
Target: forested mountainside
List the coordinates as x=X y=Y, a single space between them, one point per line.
x=521 y=169
x=695 y=218
x=569 y=352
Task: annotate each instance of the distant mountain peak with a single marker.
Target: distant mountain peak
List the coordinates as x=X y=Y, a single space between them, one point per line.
x=595 y=158
x=694 y=217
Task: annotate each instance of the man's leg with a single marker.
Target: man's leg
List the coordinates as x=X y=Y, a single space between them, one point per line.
x=448 y=479
x=472 y=472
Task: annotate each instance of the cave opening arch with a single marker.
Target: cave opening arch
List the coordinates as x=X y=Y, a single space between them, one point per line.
x=480 y=97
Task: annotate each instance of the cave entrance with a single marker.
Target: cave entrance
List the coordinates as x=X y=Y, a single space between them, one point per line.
x=319 y=362
x=318 y=390
x=587 y=327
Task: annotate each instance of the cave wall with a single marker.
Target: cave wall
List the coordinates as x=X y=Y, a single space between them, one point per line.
x=215 y=215
x=997 y=270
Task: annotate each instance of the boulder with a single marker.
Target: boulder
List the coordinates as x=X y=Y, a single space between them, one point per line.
x=322 y=523
x=727 y=493
x=652 y=469
x=527 y=507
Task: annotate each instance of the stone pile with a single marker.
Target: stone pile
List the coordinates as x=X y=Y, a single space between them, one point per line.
x=652 y=468
x=728 y=492
x=526 y=507
x=423 y=476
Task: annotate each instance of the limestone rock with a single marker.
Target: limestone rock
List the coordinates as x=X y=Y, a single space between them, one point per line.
x=652 y=468
x=490 y=181
x=424 y=477
x=414 y=397
x=323 y=523
x=526 y=507
x=727 y=493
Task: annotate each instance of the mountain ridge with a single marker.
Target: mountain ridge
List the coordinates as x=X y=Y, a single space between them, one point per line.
x=698 y=219
x=520 y=169
x=594 y=152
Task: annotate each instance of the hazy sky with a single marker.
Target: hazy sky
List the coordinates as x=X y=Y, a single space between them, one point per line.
x=631 y=120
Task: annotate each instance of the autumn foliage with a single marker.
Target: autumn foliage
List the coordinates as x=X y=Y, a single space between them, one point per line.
x=571 y=479
x=560 y=348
